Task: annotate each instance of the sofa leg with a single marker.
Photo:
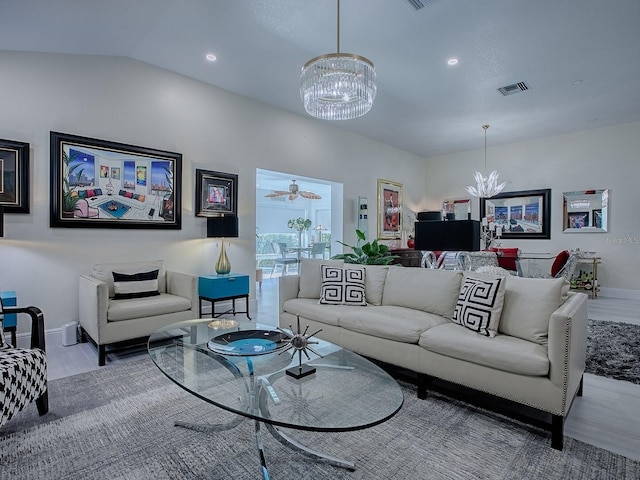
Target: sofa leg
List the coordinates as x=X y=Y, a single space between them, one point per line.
x=423 y=381
x=102 y=355
x=557 y=432
x=43 y=403
x=581 y=386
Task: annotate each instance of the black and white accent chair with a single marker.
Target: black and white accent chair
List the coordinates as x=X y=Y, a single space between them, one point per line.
x=23 y=371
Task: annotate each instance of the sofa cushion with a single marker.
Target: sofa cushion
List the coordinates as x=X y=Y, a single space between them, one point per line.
x=528 y=305
x=135 y=285
x=373 y=281
x=104 y=272
x=342 y=286
x=480 y=303
x=503 y=352
x=146 y=307
x=433 y=291
x=394 y=323
x=309 y=308
x=311 y=276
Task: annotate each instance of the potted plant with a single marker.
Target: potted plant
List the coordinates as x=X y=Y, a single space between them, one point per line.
x=301 y=225
x=370 y=253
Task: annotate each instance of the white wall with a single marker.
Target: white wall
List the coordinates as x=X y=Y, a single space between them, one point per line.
x=601 y=158
x=126 y=101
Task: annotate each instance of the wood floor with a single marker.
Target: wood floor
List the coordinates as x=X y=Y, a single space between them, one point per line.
x=607 y=415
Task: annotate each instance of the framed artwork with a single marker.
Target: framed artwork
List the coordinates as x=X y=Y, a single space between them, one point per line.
x=143 y=189
x=14 y=176
x=578 y=219
x=216 y=193
x=596 y=221
x=389 y=209
x=524 y=214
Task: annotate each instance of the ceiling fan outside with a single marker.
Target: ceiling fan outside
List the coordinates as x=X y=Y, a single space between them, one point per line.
x=293 y=193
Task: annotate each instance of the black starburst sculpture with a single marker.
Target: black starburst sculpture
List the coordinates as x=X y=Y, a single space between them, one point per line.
x=300 y=342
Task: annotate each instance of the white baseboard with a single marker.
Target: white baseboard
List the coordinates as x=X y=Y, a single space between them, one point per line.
x=623 y=293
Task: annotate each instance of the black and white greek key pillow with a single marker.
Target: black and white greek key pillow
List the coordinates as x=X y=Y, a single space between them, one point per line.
x=342 y=286
x=479 y=305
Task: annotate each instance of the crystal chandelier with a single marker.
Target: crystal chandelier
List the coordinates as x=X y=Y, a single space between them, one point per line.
x=487 y=186
x=338 y=86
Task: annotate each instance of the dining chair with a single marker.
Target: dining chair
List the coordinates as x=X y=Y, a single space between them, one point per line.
x=280 y=248
x=317 y=249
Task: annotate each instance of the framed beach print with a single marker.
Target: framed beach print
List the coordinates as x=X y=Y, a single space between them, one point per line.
x=389 y=209
x=14 y=176
x=524 y=214
x=216 y=193
x=103 y=184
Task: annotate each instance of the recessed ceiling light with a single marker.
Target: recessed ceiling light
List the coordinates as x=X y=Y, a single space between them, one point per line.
x=575 y=83
x=211 y=57
x=452 y=61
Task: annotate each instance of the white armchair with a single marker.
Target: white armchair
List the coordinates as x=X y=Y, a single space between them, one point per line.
x=135 y=306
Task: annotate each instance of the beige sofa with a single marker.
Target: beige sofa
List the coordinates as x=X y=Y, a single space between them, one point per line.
x=107 y=320
x=536 y=359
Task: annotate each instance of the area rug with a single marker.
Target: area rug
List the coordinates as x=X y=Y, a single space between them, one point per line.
x=114 y=208
x=613 y=350
x=117 y=423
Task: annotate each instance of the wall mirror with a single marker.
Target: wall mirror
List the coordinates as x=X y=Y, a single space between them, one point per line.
x=457 y=209
x=586 y=211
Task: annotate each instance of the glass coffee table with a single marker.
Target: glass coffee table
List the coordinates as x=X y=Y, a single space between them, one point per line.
x=242 y=367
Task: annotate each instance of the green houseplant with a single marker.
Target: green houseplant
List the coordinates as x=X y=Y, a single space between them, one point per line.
x=370 y=253
x=301 y=225
x=69 y=195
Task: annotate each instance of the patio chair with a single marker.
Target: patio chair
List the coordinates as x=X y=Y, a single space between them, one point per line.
x=281 y=249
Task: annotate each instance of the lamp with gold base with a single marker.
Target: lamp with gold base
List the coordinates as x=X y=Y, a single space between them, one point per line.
x=222 y=227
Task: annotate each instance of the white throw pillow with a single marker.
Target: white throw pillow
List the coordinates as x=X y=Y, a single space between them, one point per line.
x=135 y=285
x=342 y=286
x=480 y=302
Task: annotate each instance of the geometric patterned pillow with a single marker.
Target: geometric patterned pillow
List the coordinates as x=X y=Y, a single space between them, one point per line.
x=342 y=286
x=136 y=285
x=480 y=304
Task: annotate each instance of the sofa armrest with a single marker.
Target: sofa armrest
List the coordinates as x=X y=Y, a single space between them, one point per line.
x=183 y=285
x=288 y=287
x=93 y=303
x=568 y=343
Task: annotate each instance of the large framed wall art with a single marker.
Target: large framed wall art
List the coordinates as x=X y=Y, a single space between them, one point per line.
x=14 y=176
x=216 y=193
x=103 y=184
x=524 y=214
x=389 y=209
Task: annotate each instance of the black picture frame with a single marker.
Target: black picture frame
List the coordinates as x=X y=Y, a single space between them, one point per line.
x=524 y=214
x=216 y=193
x=14 y=176
x=145 y=193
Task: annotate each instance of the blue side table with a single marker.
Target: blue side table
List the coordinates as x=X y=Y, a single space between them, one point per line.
x=217 y=288
x=10 y=320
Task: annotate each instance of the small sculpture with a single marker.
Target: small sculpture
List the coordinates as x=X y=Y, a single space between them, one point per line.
x=300 y=343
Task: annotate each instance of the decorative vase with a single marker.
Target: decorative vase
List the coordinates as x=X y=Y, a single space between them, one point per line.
x=223 y=266
x=411 y=242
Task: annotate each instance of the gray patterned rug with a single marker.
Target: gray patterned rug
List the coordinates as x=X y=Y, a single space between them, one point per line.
x=613 y=350
x=117 y=423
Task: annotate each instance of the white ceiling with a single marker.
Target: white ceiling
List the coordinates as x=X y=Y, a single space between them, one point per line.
x=580 y=58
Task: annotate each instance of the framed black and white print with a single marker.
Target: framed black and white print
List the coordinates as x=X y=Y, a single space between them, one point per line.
x=14 y=176
x=103 y=184
x=216 y=193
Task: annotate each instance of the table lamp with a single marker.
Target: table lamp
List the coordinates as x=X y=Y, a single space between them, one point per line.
x=221 y=227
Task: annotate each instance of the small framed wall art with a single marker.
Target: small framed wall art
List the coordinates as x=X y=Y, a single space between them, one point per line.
x=389 y=209
x=216 y=193
x=14 y=176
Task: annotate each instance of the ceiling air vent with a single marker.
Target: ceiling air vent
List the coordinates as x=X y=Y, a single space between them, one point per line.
x=515 y=88
x=418 y=4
